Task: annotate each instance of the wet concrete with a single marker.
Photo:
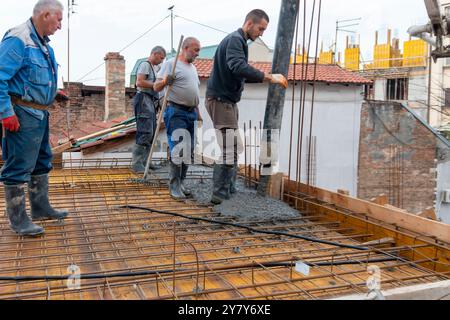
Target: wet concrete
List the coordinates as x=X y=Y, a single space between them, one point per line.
x=245 y=205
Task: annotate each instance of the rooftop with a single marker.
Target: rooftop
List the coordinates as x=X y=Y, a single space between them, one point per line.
x=323 y=73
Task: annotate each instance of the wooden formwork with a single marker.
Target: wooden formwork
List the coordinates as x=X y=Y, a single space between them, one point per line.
x=126 y=253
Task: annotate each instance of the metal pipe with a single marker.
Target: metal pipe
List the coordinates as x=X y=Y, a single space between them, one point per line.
x=276 y=96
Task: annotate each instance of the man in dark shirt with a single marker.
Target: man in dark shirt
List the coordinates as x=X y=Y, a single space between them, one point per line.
x=224 y=90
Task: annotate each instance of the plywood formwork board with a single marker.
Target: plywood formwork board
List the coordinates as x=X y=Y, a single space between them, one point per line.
x=391 y=216
x=438 y=254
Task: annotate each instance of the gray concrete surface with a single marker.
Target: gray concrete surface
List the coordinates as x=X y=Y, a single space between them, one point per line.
x=245 y=205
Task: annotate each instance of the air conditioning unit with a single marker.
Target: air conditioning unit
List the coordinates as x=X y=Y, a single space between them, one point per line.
x=446 y=196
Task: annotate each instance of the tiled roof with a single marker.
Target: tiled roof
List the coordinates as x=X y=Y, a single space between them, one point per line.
x=87 y=129
x=324 y=73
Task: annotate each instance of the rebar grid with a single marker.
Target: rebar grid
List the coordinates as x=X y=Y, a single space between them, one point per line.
x=210 y=261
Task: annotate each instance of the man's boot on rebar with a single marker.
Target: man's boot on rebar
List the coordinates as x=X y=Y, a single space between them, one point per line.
x=184 y=188
x=175 y=181
x=17 y=214
x=233 y=178
x=146 y=154
x=139 y=157
x=222 y=180
x=39 y=202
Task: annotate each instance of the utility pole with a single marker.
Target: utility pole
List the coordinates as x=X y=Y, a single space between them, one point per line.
x=277 y=94
x=172 y=50
x=70 y=10
x=341 y=26
x=430 y=73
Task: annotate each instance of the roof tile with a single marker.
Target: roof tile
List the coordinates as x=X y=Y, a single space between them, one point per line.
x=323 y=73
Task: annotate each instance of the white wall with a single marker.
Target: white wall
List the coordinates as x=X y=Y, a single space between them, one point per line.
x=336 y=125
x=258 y=51
x=418 y=95
x=443 y=183
x=379 y=88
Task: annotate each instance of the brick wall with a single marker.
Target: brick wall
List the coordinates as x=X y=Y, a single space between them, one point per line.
x=87 y=105
x=397 y=157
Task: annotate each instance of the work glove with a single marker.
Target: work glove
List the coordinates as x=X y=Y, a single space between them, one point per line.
x=61 y=96
x=279 y=79
x=11 y=123
x=169 y=80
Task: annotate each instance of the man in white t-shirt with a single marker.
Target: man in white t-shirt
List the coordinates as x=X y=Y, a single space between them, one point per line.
x=182 y=112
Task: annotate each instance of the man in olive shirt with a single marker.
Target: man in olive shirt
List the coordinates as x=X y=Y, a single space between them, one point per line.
x=224 y=90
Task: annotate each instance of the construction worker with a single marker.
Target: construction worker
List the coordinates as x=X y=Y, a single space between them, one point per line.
x=224 y=90
x=145 y=107
x=28 y=86
x=181 y=113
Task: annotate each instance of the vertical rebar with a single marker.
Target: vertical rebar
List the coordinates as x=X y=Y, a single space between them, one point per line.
x=245 y=154
x=174 y=255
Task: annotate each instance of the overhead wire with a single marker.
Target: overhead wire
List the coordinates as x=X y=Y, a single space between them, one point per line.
x=127 y=46
x=216 y=29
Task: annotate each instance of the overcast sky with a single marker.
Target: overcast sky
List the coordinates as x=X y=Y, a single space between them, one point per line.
x=102 y=26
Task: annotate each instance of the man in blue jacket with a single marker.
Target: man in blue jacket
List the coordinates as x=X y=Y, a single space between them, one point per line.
x=224 y=90
x=28 y=86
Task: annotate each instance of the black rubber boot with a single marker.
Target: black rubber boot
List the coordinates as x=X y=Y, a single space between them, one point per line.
x=175 y=182
x=139 y=159
x=233 y=178
x=222 y=181
x=17 y=214
x=184 y=188
x=39 y=202
x=146 y=154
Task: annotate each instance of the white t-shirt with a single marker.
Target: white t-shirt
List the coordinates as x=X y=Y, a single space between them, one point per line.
x=186 y=87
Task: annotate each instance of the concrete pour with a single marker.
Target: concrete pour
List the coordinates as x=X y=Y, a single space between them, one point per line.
x=245 y=205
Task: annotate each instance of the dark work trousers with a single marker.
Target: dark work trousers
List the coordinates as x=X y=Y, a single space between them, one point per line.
x=225 y=117
x=144 y=110
x=26 y=152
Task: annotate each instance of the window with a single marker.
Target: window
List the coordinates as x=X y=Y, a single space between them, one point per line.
x=397 y=89
x=447 y=11
x=447 y=97
x=369 y=92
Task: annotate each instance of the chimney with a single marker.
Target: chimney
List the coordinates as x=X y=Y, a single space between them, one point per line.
x=115 y=86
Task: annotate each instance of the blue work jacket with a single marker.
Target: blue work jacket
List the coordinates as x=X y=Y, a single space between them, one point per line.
x=28 y=70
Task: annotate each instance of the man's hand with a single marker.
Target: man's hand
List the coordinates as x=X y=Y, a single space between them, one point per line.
x=61 y=96
x=11 y=123
x=279 y=79
x=169 y=80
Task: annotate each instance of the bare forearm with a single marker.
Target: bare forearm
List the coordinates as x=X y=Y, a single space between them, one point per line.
x=159 y=85
x=145 y=84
